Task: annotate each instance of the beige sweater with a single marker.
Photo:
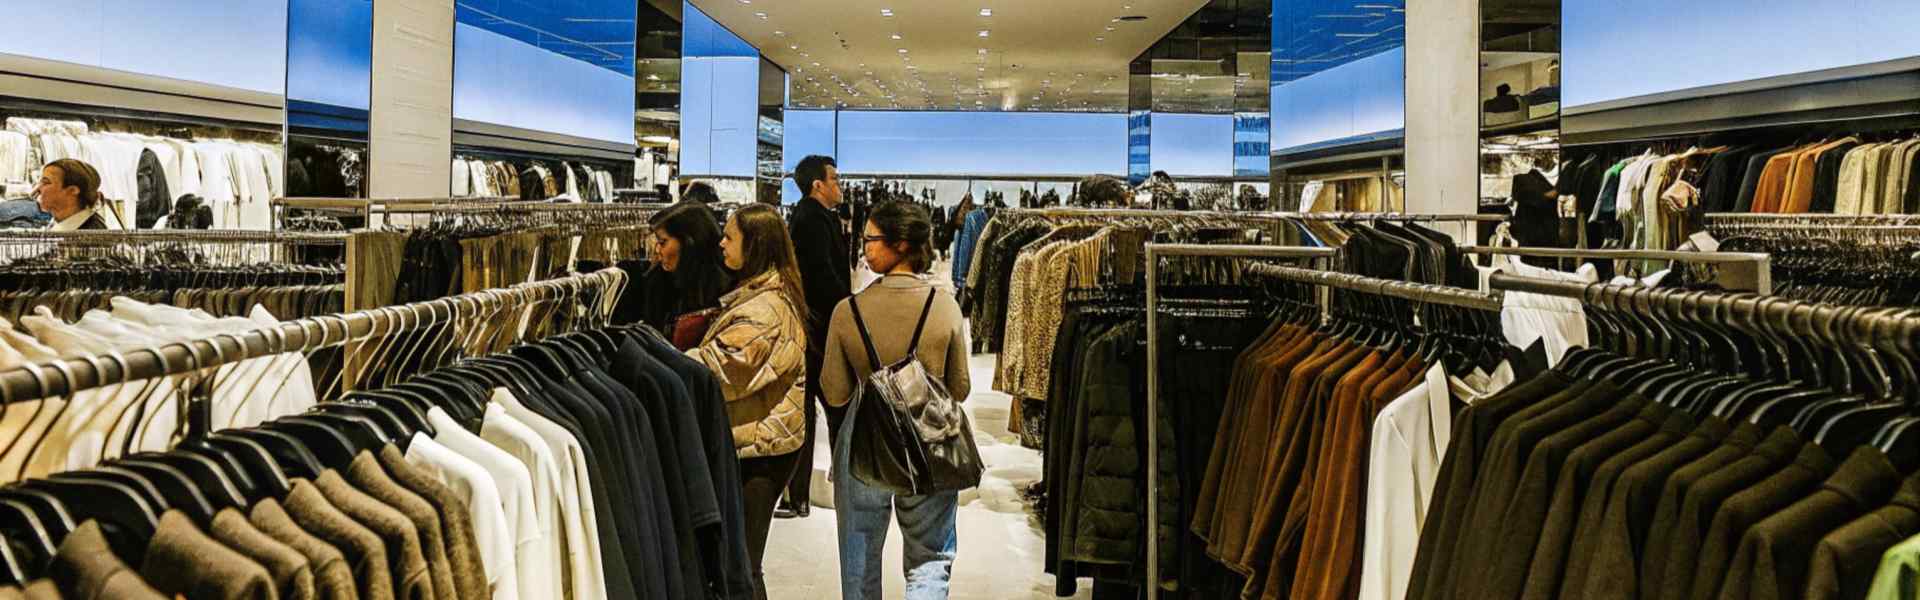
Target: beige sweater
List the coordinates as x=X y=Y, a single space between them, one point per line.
x=891 y=307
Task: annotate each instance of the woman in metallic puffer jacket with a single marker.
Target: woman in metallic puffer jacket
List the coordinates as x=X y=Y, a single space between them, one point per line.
x=757 y=349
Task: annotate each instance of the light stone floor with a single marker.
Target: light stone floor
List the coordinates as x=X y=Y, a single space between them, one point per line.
x=1000 y=541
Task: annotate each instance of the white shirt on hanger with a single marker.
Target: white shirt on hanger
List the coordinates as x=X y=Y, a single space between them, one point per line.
x=471 y=481
x=577 y=505
x=515 y=485
x=515 y=438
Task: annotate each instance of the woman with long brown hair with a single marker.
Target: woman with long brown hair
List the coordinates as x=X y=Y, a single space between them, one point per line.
x=757 y=348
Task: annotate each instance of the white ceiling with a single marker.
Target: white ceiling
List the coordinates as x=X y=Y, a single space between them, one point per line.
x=1039 y=55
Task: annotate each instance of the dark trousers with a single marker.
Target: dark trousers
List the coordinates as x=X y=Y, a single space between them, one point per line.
x=800 y=489
x=762 y=479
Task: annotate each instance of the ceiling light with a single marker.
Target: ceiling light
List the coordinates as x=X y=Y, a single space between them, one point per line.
x=652 y=77
x=986 y=12
x=981 y=69
x=793 y=46
x=1099 y=39
x=816 y=64
x=896 y=36
x=760 y=14
x=903 y=50
x=983 y=33
x=886 y=12
x=1109 y=28
x=983 y=50
x=779 y=32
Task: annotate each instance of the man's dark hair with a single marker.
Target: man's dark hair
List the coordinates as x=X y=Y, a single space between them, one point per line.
x=701 y=192
x=812 y=168
x=1503 y=89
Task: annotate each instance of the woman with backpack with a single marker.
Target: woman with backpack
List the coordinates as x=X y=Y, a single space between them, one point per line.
x=881 y=325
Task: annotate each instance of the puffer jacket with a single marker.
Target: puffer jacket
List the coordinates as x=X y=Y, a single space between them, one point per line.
x=757 y=349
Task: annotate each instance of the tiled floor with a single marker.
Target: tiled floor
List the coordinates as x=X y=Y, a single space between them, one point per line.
x=1000 y=542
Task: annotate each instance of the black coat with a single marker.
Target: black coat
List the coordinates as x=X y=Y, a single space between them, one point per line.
x=825 y=271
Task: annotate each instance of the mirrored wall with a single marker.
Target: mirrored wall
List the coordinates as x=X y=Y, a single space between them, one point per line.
x=329 y=89
x=1520 y=121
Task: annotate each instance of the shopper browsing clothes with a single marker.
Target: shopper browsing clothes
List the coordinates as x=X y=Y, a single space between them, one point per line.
x=70 y=191
x=821 y=241
x=757 y=349
x=686 y=244
x=898 y=246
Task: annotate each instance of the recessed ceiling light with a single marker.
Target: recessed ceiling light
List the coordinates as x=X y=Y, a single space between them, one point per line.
x=983 y=50
x=793 y=47
x=886 y=12
x=983 y=33
x=986 y=12
x=1109 y=28
x=896 y=36
x=1099 y=39
x=902 y=50
x=760 y=14
x=779 y=32
x=816 y=64
x=982 y=69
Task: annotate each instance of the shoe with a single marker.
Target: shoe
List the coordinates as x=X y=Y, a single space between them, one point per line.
x=784 y=510
x=803 y=510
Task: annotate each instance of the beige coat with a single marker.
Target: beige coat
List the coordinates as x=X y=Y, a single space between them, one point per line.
x=757 y=348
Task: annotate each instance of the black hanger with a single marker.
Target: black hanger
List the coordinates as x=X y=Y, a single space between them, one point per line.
x=221 y=485
x=402 y=407
x=178 y=490
x=139 y=482
x=361 y=431
x=291 y=454
x=22 y=526
x=390 y=424
x=128 y=518
x=244 y=458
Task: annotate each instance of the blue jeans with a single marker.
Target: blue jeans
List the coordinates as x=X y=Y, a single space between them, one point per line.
x=862 y=511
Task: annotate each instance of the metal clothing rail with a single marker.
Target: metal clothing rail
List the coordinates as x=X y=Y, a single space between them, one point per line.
x=1256 y=215
x=1154 y=253
x=203 y=236
x=1418 y=292
x=31 y=382
x=1751 y=271
x=1851 y=323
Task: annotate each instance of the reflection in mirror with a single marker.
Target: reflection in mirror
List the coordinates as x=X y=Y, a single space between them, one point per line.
x=329 y=91
x=656 y=102
x=1520 y=123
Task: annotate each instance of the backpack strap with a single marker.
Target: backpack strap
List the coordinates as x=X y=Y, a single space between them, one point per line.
x=913 y=347
x=873 y=357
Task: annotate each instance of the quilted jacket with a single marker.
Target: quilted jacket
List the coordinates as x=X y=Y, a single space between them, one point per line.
x=757 y=349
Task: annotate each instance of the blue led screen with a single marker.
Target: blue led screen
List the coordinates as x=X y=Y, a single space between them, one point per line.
x=983 y=143
x=1339 y=72
x=1251 y=144
x=1615 y=49
x=1190 y=145
x=1139 y=146
x=233 y=43
x=330 y=54
x=557 y=66
x=808 y=132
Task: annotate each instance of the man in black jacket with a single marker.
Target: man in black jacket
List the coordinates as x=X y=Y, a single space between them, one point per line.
x=820 y=243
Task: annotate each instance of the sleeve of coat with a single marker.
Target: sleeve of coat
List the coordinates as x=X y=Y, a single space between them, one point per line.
x=959 y=378
x=836 y=373
x=738 y=356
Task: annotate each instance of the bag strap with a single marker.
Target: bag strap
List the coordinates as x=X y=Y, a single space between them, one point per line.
x=913 y=347
x=873 y=357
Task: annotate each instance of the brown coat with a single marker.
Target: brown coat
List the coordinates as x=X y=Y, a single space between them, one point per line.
x=757 y=349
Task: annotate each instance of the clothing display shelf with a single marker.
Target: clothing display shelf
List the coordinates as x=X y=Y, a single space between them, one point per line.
x=361 y=330
x=1743 y=271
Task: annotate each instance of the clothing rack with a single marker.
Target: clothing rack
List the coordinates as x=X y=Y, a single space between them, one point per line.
x=1848 y=324
x=32 y=382
x=1154 y=253
x=231 y=246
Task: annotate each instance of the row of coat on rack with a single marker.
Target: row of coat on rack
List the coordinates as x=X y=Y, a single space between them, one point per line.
x=146 y=174
x=505 y=444
x=532 y=180
x=1408 y=440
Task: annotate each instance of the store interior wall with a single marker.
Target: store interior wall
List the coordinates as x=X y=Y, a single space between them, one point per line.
x=1442 y=111
x=412 y=99
x=720 y=79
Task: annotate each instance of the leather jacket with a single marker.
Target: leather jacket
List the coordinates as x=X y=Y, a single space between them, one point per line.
x=756 y=347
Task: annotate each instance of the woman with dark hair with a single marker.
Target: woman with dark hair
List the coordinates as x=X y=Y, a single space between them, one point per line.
x=70 y=191
x=686 y=245
x=898 y=247
x=701 y=192
x=756 y=347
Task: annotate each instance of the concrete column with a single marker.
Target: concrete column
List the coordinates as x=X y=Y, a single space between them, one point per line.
x=1443 y=127
x=411 y=136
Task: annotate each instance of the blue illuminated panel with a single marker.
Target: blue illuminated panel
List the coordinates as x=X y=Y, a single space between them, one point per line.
x=1614 y=49
x=1188 y=145
x=995 y=143
x=234 y=43
x=1139 y=146
x=558 y=66
x=1251 y=144
x=330 y=53
x=808 y=132
x=1339 y=73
